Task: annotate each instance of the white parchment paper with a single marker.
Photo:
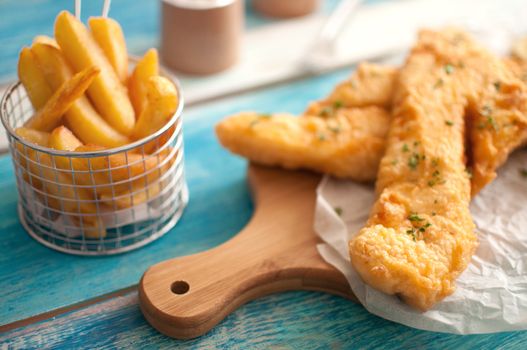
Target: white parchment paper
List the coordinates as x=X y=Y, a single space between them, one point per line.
x=491 y=295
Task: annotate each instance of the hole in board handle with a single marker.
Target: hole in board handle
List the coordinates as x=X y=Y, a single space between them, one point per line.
x=179 y=287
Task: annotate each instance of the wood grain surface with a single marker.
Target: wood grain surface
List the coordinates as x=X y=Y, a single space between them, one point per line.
x=291 y=320
x=185 y=297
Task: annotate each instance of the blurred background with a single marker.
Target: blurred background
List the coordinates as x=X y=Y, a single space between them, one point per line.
x=272 y=49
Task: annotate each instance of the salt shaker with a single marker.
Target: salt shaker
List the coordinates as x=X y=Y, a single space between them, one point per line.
x=201 y=36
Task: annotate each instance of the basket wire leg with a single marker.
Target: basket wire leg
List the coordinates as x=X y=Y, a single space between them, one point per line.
x=61 y=203
x=97 y=209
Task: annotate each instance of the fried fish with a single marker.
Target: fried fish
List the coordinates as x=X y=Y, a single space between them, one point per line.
x=373 y=85
x=420 y=235
x=343 y=135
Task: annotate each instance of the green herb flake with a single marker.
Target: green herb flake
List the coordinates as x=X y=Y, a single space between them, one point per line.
x=338 y=210
x=449 y=122
x=337 y=104
x=326 y=111
x=415 y=217
x=395 y=161
x=431 y=183
x=435 y=162
x=411 y=232
x=449 y=69
x=405 y=148
x=321 y=137
x=413 y=161
x=469 y=172
x=492 y=123
x=497 y=85
x=523 y=173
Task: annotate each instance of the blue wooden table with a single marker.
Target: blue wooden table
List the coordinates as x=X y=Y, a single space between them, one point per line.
x=49 y=299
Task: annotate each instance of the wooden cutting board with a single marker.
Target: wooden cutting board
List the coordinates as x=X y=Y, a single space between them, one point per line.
x=186 y=297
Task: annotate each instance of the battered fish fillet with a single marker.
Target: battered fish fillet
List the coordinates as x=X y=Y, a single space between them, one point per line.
x=420 y=235
x=333 y=136
x=347 y=144
x=370 y=85
x=373 y=85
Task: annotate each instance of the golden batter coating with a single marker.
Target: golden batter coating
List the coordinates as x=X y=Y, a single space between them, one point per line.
x=349 y=143
x=373 y=84
x=370 y=85
x=334 y=136
x=420 y=235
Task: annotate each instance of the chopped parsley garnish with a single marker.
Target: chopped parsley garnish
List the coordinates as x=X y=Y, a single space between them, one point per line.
x=497 y=85
x=435 y=162
x=259 y=118
x=449 y=69
x=337 y=104
x=449 y=122
x=321 y=137
x=338 y=210
x=423 y=228
x=411 y=232
x=405 y=148
x=492 y=123
x=326 y=111
x=523 y=172
x=413 y=161
x=415 y=217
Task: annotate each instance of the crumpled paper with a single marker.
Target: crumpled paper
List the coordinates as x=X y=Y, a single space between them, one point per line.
x=491 y=295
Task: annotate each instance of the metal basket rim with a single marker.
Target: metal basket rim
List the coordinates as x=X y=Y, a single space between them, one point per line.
x=102 y=153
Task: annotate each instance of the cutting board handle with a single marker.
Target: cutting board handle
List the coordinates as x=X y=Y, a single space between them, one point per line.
x=186 y=297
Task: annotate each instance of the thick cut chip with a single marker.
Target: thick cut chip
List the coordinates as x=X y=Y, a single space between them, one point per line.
x=107 y=93
x=49 y=116
x=162 y=103
x=33 y=79
x=146 y=68
x=81 y=118
x=109 y=35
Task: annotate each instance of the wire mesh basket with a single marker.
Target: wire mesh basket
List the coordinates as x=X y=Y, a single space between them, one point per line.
x=100 y=202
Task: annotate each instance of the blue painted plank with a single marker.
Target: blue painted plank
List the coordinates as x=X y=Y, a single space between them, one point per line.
x=219 y=207
x=294 y=320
